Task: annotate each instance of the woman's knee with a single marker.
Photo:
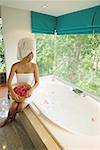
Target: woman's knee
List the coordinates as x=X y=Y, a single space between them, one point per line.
x=14 y=106
x=21 y=107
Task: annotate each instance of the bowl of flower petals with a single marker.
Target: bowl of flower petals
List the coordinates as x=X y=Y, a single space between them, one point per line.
x=21 y=88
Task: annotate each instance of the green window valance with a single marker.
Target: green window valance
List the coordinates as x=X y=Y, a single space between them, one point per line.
x=77 y=22
x=96 y=22
x=42 y=23
x=85 y=21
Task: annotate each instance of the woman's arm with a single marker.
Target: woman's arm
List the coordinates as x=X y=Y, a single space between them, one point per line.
x=11 y=75
x=36 y=77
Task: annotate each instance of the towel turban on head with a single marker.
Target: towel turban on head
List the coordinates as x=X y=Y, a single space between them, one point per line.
x=25 y=46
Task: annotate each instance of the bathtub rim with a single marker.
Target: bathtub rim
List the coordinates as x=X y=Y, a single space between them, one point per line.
x=54 y=121
x=62 y=144
x=53 y=77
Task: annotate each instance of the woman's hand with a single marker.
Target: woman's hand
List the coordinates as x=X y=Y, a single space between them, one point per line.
x=29 y=93
x=18 y=98
x=21 y=99
x=14 y=96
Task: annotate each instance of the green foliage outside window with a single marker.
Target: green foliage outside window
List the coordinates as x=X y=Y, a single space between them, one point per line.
x=2 y=59
x=73 y=58
x=45 y=53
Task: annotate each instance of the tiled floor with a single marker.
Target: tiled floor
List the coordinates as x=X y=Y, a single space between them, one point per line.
x=13 y=136
x=4 y=102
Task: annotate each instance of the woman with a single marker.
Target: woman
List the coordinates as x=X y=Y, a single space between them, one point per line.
x=25 y=71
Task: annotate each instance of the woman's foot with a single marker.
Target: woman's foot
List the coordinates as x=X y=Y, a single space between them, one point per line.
x=5 y=122
x=9 y=119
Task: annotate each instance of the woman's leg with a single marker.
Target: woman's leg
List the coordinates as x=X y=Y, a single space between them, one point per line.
x=21 y=106
x=13 y=111
x=15 y=107
x=11 y=114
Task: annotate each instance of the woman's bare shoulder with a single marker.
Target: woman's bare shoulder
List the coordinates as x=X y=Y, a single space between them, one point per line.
x=15 y=65
x=34 y=65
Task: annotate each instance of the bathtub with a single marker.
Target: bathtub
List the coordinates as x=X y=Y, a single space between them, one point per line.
x=57 y=102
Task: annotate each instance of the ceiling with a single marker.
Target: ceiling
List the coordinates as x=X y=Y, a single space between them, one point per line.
x=55 y=8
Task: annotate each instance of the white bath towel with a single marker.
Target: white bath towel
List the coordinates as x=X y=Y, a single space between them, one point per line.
x=25 y=46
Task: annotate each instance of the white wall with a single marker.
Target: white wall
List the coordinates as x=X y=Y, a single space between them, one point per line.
x=16 y=25
x=0 y=11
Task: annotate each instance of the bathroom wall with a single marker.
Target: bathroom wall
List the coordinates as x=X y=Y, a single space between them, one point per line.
x=16 y=25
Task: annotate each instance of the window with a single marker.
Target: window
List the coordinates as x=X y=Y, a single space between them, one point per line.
x=45 y=49
x=2 y=59
x=73 y=58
